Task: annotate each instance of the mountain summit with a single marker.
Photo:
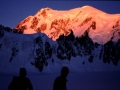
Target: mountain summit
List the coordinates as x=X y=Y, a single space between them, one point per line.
x=101 y=26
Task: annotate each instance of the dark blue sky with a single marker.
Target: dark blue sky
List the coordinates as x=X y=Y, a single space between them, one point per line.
x=14 y=11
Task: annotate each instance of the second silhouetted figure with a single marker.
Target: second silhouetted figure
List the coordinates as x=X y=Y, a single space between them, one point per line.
x=20 y=82
x=60 y=82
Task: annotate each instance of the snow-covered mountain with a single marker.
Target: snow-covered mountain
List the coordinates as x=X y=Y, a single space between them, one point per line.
x=102 y=26
x=84 y=39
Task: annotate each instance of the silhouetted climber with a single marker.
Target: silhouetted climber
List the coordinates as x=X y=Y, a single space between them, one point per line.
x=60 y=82
x=21 y=82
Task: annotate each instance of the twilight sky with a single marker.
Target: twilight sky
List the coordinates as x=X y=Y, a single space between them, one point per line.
x=14 y=11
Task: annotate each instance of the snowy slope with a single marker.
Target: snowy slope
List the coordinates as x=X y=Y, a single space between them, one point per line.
x=53 y=23
x=37 y=52
x=84 y=39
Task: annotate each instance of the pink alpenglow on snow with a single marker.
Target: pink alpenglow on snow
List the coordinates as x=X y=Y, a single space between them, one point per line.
x=101 y=26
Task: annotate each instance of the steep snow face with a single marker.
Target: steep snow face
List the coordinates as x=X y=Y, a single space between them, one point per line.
x=102 y=27
x=37 y=52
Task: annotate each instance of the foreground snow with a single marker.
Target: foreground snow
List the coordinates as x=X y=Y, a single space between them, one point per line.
x=76 y=81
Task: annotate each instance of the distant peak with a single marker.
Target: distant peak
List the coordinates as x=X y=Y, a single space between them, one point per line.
x=57 y=22
x=47 y=8
x=90 y=8
x=87 y=6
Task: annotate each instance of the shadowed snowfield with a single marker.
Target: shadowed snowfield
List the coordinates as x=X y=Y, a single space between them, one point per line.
x=76 y=81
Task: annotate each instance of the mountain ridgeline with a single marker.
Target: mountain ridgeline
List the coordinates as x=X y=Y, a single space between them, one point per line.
x=64 y=48
x=54 y=23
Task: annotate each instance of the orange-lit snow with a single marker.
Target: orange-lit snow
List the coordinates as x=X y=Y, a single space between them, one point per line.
x=54 y=23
